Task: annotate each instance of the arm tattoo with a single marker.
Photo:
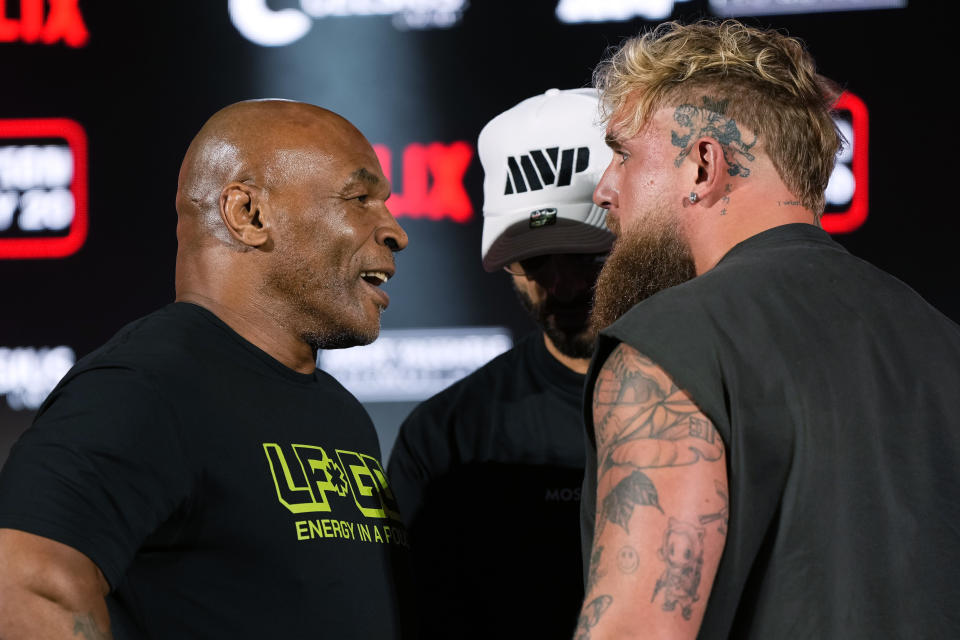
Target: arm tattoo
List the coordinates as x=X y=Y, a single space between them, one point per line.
x=710 y=120
x=635 y=489
x=591 y=616
x=627 y=559
x=682 y=550
x=595 y=573
x=87 y=627
x=643 y=421
x=723 y=515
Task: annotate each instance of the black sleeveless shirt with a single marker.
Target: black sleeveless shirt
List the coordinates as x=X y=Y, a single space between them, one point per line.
x=836 y=389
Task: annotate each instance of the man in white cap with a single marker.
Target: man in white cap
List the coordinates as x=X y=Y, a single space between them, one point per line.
x=489 y=471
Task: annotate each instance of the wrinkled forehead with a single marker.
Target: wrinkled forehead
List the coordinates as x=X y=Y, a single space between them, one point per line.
x=335 y=166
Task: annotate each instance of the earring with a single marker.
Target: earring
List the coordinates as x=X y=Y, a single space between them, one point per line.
x=693 y=197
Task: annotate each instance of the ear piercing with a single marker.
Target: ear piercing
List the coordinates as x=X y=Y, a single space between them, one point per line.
x=693 y=197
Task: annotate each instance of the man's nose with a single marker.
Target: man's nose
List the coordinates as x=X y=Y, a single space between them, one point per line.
x=391 y=234
x=604 y=196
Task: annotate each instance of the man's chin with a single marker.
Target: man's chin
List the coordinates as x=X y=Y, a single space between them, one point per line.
x=573 y=344
x=343 y=337
x=641 y=264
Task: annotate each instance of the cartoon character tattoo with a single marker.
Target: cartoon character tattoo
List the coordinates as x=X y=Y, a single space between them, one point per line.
x=682 y=550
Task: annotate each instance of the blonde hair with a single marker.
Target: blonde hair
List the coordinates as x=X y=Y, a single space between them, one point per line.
x=762 y=79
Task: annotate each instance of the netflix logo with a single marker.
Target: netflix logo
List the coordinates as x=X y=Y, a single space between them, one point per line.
x=43 y=22
x=429 y=181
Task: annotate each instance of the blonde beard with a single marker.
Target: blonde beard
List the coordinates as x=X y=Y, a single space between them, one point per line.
x=648 y=257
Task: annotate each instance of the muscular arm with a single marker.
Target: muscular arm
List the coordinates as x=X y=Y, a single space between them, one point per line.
x=661 y=505
x=49 y=590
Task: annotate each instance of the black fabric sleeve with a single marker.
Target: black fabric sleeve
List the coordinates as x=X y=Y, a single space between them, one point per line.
x=100 y=469
x=407 y=469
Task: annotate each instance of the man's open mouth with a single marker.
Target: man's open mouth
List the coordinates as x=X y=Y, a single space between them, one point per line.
x=376 y=278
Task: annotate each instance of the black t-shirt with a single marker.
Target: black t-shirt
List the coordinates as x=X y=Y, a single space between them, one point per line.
x=489 y=472
x=221 y=493
x=836 y=389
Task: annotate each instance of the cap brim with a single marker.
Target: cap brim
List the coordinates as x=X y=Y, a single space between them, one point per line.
x=518 y=241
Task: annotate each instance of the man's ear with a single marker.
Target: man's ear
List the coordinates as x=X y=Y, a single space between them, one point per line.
x=245 y=214
x=711 y=182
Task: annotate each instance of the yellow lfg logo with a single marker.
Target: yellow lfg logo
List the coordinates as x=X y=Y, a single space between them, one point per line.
x=307 y=479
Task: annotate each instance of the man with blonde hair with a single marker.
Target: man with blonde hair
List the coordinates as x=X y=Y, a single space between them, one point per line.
x=775 y=436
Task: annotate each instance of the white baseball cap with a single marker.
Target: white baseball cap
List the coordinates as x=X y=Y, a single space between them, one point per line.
x=541 y=161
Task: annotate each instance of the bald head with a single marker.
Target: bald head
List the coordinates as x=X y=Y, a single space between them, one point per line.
x=283 y=228
x=253 y=142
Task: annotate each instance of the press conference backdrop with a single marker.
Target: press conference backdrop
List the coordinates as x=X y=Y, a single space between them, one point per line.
x=100 y=100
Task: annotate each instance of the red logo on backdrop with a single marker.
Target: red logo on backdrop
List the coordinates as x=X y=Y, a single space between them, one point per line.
x=432 y=182
x=62 y=23
x=43 y=188
x=847 y=193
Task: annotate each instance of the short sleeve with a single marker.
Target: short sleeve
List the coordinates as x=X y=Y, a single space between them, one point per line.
x=406 y=470
x=100 y=469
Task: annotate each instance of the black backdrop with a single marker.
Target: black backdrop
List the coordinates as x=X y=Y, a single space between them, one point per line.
x=151 y=73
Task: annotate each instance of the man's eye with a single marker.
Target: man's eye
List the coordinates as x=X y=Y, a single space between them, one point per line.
x=362 y=199
x=623 y=156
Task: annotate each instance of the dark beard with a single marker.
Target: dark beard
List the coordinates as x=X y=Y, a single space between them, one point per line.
x=644 y=260
x=567 y=326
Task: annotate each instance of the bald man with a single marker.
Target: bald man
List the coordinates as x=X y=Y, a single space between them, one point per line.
x=197 y=476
